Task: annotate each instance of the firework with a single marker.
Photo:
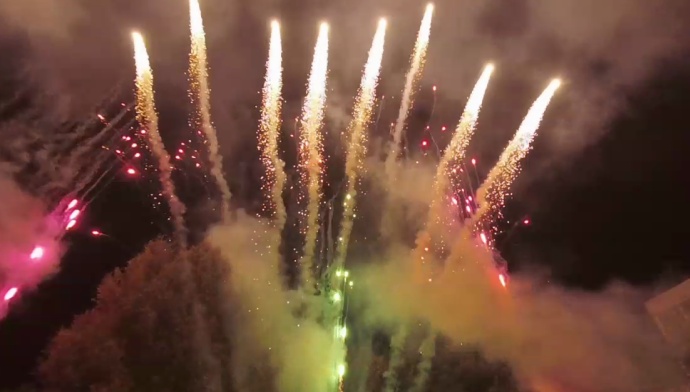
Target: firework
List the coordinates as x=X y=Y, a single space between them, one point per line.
x=311 y=154
x=411 y=79
x=364 y=105
x=493 y=193
x=148 y=118
x=269 y=132
x=354 y=164
x=201 y=96
x=454 y=154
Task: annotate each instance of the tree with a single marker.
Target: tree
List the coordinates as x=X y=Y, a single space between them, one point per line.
x=158 y=325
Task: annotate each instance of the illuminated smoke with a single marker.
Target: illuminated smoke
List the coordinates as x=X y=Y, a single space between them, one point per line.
x=493 y=193
x=274 y=177
x=411 y=79
x=148 y=118
x=311 y=148
x=201 y=96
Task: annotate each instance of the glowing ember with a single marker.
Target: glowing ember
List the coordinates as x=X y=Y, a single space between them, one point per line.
x=96 y=233
x=131 y=171
x=70 y=224
x=484 y=239
x=72 y=204
x=11 y=293
x=74 y=214
x=37 y=253
x=502 y=279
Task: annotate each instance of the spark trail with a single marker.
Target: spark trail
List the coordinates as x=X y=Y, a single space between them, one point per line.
x=148 y=118
x=357 y=130
x=269 y=133
x=493 y=193
x=455 y=153
x=364 y=105
x=413 y=74
x=201 y=97
x=311 y=149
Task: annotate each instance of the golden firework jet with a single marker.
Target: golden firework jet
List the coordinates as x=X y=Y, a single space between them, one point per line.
x=455 y=153
x=200 y=96
x=148 y=118
x=311 y=149
x=493 y=193
x=411 y=81
x=274 y=179
x=354 y=163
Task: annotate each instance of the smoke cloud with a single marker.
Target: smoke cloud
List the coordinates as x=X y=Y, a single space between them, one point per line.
x=23 y=226
x=276 y=332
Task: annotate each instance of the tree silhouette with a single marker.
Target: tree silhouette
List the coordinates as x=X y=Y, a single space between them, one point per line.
x=157 y=326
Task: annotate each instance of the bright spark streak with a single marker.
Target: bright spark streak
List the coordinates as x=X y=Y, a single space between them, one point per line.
x=74 y=214
x=37 y=253
x=70 y=224
x=269 y=131
x=495 y=190
x=311 y=149
x=11 y=293
x=502 y=279
x=96 y=233
x=148 y=118
x=411 y=79
x=200 y=95
x=354 y=163
x=72 y=204
x=446 y=176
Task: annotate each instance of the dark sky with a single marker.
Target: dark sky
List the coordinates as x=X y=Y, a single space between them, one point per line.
x=605 y=187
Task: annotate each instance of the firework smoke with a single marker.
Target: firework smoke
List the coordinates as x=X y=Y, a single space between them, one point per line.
x=354 y=164
x=269 y=325
x=148 y=118
x=311 y=154
x=413 y=75
x=274 y=177
x=493 y=193
x=201 y=95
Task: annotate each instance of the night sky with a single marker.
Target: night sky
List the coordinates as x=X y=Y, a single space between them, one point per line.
x=607 y=200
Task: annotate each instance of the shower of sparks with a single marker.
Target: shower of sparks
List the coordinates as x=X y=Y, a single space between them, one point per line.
x=364 y=105
x=148 y=118
x=455 y=153
x=201 y=97
x=411 y=81
x=354 y=164
x=493 y=193
x=311 y=154
x=274 y=177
